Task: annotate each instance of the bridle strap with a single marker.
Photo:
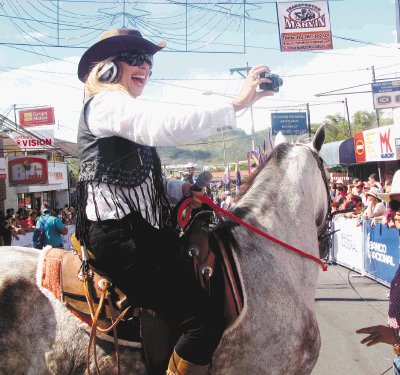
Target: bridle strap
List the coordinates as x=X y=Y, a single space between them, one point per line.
x=183 y=221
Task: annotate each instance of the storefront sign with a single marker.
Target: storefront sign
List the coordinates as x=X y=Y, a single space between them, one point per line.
x=40 y=140
x=304 y=26
x=27 y=170
x=289 y=123
x=376 y=144
x=58 y=175
x=386 y=94
x=3 y=174
x=36 y=116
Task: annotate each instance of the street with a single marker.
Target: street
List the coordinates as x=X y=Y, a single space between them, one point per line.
x=346 y=301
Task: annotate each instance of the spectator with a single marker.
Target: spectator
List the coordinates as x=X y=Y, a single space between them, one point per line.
x=375 y=206
x=391 y=199
x=189 y=177
x=31 y=221
x=7 y=227
x=332 y=190
x=53 y=226
x=389 y=334
x=373 y=179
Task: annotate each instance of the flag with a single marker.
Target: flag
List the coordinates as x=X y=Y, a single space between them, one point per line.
x=238 y=178
x=226 y=178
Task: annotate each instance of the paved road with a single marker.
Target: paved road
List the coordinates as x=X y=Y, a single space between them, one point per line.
x=346 y=301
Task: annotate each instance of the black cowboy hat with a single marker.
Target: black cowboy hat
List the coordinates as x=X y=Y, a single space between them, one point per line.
x=112 y=43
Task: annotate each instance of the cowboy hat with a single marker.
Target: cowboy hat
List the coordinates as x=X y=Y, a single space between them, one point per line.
x=395 y=188
x=374 y=192
x=112 y=43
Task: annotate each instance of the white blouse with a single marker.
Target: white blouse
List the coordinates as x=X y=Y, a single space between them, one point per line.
x=114 y=113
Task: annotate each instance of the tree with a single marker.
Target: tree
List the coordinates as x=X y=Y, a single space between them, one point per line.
x=336 y=128
x=363 y=120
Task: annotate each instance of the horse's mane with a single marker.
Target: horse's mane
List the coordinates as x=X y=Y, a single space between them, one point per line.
x=277 y=154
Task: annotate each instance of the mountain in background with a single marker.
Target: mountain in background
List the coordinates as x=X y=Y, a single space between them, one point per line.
x=211 y=149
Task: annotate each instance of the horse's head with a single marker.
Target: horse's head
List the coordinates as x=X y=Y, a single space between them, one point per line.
x=295 y=180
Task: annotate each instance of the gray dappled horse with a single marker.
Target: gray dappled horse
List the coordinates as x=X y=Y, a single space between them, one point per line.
x=276 y=332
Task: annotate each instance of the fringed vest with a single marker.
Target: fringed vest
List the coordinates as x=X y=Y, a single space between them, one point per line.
x=119 y=163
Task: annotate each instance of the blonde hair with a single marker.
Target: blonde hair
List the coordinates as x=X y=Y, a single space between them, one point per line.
x=93 y=85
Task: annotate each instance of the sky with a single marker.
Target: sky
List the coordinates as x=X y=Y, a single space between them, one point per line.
x=40 y=47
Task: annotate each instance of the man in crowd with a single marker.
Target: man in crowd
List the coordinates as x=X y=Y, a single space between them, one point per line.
x=53 y=226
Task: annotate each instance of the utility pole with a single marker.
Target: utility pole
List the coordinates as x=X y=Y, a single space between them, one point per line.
x=376 y=110
x=239 y=71
x=348 y=117
x=308 y=119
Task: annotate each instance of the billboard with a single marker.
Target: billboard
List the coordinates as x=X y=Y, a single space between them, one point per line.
x=27 y=170
x=289 y=123
x=377 y=144
x=386 y=94
x=38 y=140
x=3 y=173
x=36 y=116
x=304 y=26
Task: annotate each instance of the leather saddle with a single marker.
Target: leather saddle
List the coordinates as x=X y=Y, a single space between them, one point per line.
x=211 y=254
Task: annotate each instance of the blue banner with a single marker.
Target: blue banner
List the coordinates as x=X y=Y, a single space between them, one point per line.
x=381 y=251
x=289 y=123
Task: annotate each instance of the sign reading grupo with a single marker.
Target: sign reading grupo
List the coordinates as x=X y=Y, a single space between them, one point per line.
x=27 y=170
x=36 y=116
x=304 y=26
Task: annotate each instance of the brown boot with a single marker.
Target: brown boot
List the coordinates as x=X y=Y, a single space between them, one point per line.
x=178 y=366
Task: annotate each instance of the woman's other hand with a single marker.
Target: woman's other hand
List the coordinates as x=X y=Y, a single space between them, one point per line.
x=248 y=94
x=377 y=334
x=195 y=195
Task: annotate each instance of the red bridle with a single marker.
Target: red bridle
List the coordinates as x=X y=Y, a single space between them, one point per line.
x=183 y=221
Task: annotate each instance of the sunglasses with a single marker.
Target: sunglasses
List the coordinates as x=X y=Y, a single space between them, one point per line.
x=133 y=59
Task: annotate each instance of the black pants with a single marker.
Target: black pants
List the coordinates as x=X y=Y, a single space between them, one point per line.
x=145 y=263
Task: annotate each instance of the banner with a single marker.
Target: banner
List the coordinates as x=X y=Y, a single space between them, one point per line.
x=377 y=144
x=289 y=123
x=347 y=243
x=381 y=251
x=304 y=26
x=58 y=175
x=36 y=116
x=386 y=94
x=27 y=170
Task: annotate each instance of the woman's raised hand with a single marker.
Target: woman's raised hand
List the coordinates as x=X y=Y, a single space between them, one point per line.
x=248 y=94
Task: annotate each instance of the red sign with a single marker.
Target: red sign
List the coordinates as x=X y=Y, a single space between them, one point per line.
x=36 y=117
x=359 y=147
x=25 y=170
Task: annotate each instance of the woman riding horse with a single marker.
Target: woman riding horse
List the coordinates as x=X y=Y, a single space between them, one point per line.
x=123 y=199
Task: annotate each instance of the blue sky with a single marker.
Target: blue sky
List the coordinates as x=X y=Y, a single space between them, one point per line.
x=364 y=35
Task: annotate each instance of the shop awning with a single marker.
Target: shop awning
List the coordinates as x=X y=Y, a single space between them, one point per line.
x=341 y=152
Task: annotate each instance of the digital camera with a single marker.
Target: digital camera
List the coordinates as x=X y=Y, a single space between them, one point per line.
x=271 y=86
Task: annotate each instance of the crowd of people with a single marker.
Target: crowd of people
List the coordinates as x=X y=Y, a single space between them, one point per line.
x=23 y=221
x=365 y=200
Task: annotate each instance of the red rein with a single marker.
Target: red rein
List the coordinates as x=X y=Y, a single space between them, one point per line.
x=182 y=222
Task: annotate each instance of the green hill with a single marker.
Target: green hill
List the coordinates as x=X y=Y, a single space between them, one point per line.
x=211 y=150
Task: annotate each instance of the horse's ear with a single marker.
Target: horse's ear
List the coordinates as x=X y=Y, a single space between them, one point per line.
x=270 y=142
x=319 y=138
x=280 y=138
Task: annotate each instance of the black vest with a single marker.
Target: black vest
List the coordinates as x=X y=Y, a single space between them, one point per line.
x=118 y=162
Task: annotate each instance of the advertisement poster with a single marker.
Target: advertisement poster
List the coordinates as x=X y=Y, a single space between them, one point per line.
x=347 y=243
x=27 y=170
x=36 y=116
x=39 y=140
x=386 y=94
x=381 y=251
x=377 y=144
x=304 y=26
x=289 y=123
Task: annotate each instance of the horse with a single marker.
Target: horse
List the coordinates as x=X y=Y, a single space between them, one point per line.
x=275 y=333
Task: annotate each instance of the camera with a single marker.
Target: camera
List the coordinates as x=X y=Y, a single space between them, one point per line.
x=271 y=86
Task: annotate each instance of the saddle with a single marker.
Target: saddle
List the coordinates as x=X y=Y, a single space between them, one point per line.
x=210 y=255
